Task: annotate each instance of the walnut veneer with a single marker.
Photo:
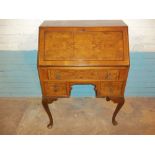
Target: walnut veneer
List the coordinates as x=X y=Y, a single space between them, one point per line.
x=83 y=52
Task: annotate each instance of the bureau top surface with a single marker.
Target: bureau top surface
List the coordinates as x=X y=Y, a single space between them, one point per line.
x=83 y=23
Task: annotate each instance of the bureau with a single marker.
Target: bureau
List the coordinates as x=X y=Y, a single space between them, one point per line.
x=83 y=52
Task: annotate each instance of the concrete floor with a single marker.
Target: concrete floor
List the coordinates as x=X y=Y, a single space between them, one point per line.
x=77 y=116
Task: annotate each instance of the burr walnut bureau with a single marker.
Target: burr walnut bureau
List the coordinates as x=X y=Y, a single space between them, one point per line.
x=83 y=52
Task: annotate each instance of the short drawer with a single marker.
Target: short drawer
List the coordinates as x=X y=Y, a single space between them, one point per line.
x=55 y=89
x=113 y=88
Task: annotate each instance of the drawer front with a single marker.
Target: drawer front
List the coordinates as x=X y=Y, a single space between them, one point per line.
x=84 y=74
x=55 y=89
x=112 y=88
x=86 y=45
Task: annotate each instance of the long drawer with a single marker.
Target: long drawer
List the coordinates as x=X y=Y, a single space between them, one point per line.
x=69 y=74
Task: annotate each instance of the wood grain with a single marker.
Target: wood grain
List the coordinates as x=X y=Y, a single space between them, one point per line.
x=72 y=46
x=83 y=73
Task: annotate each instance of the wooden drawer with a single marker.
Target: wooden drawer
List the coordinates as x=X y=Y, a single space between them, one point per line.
x=113 y=88
x=55 y=89
x=105 y=74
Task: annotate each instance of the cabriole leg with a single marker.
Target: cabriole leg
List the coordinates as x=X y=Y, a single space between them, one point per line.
x=45 y=102
x=120 y=102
